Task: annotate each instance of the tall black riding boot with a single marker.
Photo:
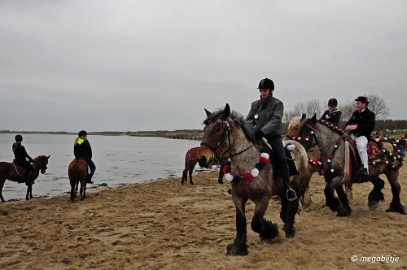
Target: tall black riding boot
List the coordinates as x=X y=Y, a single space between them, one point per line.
x=290 y=193
x=30 y=177
x=89 y=178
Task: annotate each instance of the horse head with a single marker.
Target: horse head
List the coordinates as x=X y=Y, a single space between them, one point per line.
x=226 y=133
x=294 y=126
x=41 y=163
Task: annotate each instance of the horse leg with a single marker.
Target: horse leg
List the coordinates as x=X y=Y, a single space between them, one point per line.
x=2 y=181
x=376 y=195
x=72 y=192
x=239 y=246
x=191 y=171
x=184 y=176
x=331 y=201
x=287 y=214
x=395 y=205
x=344 y=209
x=265 y=228
x=29 y=191
x=82 y=190
x=220 y=178
x=306 y=200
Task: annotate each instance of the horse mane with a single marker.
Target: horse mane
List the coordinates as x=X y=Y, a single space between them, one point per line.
x=330 y=126
x=237 y=118
x=295 y=122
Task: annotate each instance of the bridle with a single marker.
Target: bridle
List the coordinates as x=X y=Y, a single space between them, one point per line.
x=225 y=135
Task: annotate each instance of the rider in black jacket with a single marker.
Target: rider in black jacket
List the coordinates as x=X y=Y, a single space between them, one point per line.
x=21 y=156
x=360 y=125
x=83 y=150
x=332 y=115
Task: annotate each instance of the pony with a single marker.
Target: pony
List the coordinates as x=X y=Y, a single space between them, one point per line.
x=252 y=176
x=312 y=156
x=8 y=171
x=77 y=172
x=337 y=163
x=190 y=162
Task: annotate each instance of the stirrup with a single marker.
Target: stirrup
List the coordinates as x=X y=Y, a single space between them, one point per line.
x=290 y=194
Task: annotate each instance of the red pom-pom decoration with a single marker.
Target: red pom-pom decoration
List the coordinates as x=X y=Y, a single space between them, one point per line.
x=264 y=160
x=247 y=176
x=226 y=169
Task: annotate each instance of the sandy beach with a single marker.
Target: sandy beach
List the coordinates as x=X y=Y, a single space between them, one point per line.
x=164 y=225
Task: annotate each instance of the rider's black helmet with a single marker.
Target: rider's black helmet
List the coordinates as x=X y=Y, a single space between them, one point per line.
x=266 y=84
x=82 y=133
x=333 y=102
x=19 y=138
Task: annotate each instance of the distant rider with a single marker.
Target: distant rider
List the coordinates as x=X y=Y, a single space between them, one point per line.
x=266 y=114
x=332 y=115
x=83 y=150
x=360 y=125
x=20 y=157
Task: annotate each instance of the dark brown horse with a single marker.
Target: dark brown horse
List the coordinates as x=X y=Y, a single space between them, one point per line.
x=190 y=162
x=227 y=135
x=77 y=172
x=8 y=171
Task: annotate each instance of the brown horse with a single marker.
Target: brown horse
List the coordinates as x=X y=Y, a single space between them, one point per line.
x=8 y=171
x=77 y=172
x=190 y=162
x=227 y=135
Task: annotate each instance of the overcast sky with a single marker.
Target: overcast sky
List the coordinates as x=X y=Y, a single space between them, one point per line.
x=156 y=64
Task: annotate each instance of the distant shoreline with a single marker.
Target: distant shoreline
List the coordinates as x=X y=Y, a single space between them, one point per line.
x=189 y=134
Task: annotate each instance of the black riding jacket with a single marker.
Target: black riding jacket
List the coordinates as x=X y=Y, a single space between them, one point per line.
x=82 y=149
x=20 y=155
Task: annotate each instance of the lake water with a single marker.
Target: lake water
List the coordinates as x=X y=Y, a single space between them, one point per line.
x=118 y=159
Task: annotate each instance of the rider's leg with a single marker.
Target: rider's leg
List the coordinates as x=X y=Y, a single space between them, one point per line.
x=361 y=145
x=92 y=171
x=278 y=147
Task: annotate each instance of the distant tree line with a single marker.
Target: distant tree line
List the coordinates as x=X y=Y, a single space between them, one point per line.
x=376 y=104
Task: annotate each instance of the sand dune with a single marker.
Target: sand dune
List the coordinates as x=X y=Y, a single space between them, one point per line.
x=164 y=225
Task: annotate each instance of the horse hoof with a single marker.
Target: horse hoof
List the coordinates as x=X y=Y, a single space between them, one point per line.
x=234 y=250
x=289 y=233
x=344 y=213
x=373 y=205
x=398 y=209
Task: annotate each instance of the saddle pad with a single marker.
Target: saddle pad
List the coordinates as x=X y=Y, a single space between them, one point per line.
x=291 y=164
x=19 y=169
x=373 y=150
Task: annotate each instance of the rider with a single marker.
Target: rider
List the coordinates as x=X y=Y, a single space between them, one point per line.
x=82 y=150
x=266 y=115
x=332 y=115
x=21 y=156
x=360 y=125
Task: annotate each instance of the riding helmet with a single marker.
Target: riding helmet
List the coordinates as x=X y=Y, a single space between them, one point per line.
x=266 y=84
x=82 y=133
x=19 y=138
x=333 y=102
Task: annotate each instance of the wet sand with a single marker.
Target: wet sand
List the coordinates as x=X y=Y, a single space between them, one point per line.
x=164 y=225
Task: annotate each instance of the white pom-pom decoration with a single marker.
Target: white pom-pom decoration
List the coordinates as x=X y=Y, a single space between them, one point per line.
x=265 y=155
x=290 y=147
x=255 y=172
x=229 y=177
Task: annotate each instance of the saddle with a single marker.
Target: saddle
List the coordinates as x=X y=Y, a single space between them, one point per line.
x=20 y=170
x=374 y=154
x=292 y=169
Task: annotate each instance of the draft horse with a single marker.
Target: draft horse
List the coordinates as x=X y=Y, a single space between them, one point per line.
x=8 y=171
x=78 y=172
x=227 y=135
x=336 y=157
x=190 y=162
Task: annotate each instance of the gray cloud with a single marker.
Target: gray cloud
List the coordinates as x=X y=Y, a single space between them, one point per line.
x=146 y=65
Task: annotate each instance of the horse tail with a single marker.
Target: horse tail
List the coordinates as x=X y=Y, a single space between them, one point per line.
x=347 y=172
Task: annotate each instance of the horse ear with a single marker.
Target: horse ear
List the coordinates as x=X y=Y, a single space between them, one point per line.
x=226 y=111
x=314 y=118
x=208 y=113
x=48 y=156
x=303 y=117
